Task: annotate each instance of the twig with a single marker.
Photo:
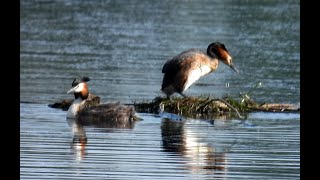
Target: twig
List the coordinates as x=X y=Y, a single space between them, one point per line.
x=241 y=117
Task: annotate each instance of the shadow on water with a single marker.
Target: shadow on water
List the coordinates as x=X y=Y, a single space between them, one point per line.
x=200 y=156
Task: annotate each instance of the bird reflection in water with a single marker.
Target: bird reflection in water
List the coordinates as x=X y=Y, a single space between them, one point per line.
x=79 y=139
x=201 y=157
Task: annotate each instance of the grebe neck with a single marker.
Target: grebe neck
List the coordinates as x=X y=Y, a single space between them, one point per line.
x=75 y=107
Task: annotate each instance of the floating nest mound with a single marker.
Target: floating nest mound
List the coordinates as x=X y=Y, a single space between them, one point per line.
x=195 y=107
x=183 y=105
x=206 y=106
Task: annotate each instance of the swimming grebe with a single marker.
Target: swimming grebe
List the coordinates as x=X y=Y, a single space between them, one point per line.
x=183 y=70
x=110 y=114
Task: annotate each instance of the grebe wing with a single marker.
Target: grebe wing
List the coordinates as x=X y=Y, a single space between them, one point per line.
x=172 y=65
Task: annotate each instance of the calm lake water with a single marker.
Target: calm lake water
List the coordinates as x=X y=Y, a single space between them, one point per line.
x=122 y=46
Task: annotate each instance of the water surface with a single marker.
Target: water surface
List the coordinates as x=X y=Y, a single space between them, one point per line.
x=264 y=146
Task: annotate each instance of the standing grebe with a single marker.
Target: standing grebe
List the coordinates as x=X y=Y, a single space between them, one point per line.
x=186 y=68
x=109 y=115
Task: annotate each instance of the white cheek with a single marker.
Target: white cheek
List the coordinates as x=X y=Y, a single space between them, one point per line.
x=196 y=74
x=80 y=88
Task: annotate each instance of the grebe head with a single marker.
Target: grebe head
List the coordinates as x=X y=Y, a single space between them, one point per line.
x=80 y=89
x=218 y=50
x=77 y=81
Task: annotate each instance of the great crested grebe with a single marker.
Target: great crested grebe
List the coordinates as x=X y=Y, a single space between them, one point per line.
x=183 y=70
x=109 y=114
